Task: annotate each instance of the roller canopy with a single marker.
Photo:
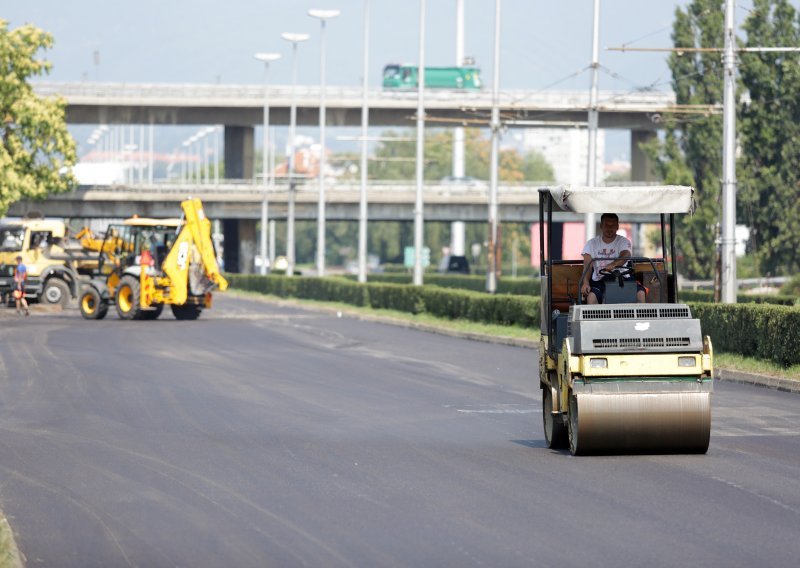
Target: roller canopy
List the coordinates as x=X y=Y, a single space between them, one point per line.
x=631 y=199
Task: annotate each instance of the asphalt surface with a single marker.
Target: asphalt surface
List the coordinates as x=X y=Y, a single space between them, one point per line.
x=265 y=435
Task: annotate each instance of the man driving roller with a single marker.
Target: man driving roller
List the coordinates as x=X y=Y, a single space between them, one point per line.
x=607 y=245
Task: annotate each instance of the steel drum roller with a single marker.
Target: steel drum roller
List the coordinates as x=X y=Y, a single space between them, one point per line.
x=640 y=422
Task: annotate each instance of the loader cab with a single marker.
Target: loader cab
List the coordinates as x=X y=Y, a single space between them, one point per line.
x=124 y=243
x=561 y=278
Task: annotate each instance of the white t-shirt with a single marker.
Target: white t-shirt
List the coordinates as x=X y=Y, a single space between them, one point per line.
x=597 y=249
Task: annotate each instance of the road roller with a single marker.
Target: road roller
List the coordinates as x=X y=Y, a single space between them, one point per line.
x=632 y=373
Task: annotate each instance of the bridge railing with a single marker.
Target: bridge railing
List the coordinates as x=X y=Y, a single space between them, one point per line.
x=310 y=186
x=194 y=94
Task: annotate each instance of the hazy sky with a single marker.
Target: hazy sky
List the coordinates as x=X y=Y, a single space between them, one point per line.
x=205 y=41
x=545 y=43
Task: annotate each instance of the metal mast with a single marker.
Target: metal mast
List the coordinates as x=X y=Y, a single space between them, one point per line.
x=491 y=276
x=591 y=166
x=418 y=204
x=728 y=241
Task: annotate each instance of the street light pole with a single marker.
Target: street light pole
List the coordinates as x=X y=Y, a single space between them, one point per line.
x=323 y=16
x=362 y=202
x=418 y=204
x=591 y=175
x=290 y=252
x=491 y=276
x=728 y=241
x=266 y=58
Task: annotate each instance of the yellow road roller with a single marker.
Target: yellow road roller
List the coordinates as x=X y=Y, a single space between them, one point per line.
x=631 y=373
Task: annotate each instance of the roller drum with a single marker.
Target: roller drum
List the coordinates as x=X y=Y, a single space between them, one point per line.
x=640 y=422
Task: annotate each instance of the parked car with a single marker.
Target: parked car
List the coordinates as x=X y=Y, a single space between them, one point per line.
x=454 y=265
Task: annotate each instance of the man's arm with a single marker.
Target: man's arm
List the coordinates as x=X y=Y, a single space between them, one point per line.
x=619 y=262
x=587 y=274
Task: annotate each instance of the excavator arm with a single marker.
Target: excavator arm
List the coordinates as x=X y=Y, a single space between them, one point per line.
x=192 y=249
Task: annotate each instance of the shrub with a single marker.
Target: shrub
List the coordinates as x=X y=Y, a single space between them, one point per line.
x=792 y=287
x=521 y=286
x=708 y=296
x=764 y=331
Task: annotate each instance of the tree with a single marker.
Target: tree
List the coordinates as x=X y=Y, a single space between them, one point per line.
x=37 y=152
x=769 y=172
x=691 y=152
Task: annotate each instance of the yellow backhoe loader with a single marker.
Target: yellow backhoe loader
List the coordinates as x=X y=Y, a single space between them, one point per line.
x=621 y=376
x=146 y=264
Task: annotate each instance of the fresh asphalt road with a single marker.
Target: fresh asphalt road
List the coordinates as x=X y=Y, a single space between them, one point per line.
x=265 y=435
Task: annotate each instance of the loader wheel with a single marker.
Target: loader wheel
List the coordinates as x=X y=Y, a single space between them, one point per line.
x=186 y=311
x=154 y=313
x=92 y=306
x=572 y=427
x=56 y=292
x=555 y=433
x=127 y=299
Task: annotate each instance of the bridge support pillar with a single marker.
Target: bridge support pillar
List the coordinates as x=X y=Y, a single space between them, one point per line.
x=239 y=152
x=239 y=250
x=641 y=164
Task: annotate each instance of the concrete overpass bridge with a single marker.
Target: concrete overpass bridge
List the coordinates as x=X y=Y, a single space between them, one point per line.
x=239 y=108
x=238 y=205
x=241 y=200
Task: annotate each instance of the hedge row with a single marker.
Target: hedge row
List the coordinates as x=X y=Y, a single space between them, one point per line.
x=764 y=331
x=708 y=296
x=501 y=309
x=477 y=283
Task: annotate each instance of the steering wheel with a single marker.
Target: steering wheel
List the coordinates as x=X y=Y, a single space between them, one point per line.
x=618 y=272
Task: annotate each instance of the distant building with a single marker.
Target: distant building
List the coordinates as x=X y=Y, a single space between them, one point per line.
x=566 y=150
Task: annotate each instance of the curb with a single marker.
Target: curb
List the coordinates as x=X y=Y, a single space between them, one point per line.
x=766 y=381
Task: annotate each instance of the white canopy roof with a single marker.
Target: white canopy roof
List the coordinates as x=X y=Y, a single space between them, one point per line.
x=630 y=199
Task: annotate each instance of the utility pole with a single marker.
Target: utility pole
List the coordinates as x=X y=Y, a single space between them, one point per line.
x=591 y=165
x=457 y=228
x=728 y=240
x=362 y=199
x=494 y=262
x=418 y=203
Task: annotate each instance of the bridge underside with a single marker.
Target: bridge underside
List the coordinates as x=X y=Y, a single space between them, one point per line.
x=309 y=116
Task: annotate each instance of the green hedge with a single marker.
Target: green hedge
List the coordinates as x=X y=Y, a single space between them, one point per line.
x=521 y=286
x=708 y=296
x=763 y=331
x=502 y=309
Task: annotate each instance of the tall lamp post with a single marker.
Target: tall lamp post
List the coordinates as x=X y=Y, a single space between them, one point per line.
x=494 y=262
x=591 y=172
x=323 y=16
x=418 y=203
x=266 y=58
x=362 y=201
x=290 y=256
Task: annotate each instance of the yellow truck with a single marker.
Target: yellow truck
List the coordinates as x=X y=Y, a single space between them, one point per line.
x=55 y=263
x=621 y=376
x=146 y=264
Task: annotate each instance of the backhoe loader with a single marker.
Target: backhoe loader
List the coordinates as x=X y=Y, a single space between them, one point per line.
x=621 y=376
x=146 y=264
